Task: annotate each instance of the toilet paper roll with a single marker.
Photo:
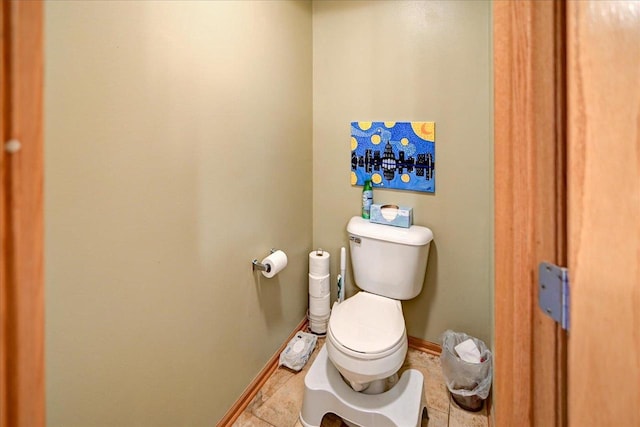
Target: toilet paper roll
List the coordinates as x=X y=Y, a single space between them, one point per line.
x=318 y=326
x=319 y=286
x=319 y=263
x=324 y=318
x=275 y=262
x=319 y=306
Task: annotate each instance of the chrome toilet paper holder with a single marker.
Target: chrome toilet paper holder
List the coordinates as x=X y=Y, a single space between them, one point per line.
x=257 y=265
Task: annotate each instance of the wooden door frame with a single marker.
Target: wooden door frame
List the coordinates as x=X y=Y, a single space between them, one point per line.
x=530 y=208
x=21 y=217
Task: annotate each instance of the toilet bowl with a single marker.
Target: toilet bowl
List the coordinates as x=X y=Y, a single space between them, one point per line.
x=367 y=341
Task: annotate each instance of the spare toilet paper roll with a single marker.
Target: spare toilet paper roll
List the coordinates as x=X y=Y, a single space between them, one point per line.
x=318 y=326
x=319 y=286
x=319 y=263
x=275 y=262
x=319 y=306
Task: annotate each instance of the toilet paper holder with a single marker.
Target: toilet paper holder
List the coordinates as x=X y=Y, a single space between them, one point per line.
x=257 y=265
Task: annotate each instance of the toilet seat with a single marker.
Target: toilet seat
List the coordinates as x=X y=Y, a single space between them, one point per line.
x=367 y=325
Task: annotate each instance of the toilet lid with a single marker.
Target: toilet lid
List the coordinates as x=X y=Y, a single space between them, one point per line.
x=367 y=323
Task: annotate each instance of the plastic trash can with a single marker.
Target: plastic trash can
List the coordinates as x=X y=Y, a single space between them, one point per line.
x=469 y=383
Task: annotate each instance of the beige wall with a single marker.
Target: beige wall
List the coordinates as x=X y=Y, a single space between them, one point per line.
x=409 y=60
x=178 y=148
x=155 y=111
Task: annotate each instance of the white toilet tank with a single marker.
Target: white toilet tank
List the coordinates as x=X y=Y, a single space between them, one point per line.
x=386 y=260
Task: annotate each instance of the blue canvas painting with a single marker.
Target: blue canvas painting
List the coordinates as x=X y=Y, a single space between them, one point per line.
x=399 y=155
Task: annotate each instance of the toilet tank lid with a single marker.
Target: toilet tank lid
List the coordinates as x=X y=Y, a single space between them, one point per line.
x=413 y=236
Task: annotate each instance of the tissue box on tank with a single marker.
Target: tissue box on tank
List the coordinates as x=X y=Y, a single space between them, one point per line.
x=398 y=216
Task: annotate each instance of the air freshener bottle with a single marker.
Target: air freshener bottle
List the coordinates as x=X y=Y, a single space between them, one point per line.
x=367 y=199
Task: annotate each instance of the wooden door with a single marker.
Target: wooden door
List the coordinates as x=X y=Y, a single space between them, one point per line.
x=21 y=217
x=604 y=212
x=596 y=56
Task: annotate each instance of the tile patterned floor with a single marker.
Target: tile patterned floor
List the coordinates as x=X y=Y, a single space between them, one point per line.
x=278 y=403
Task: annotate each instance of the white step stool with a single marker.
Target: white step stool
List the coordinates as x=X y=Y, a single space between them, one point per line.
x=325 y=391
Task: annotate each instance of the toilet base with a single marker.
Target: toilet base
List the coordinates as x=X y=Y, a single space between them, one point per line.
x=325 y=391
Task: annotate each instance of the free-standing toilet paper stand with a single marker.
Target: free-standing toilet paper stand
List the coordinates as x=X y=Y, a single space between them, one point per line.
x=325 y=391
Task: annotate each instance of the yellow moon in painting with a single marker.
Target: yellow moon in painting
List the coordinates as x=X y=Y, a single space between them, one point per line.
x=354 y=178
x=375 y=139
x=354 y=143
x=376 y=178
x=364 y=125
x=389 y=124
x=405 y=177
x=424 y=130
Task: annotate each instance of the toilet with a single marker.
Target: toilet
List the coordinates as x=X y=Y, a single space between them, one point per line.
x=366 y=335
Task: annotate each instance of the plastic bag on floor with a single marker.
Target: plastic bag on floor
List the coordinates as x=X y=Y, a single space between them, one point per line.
x=464 y=378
